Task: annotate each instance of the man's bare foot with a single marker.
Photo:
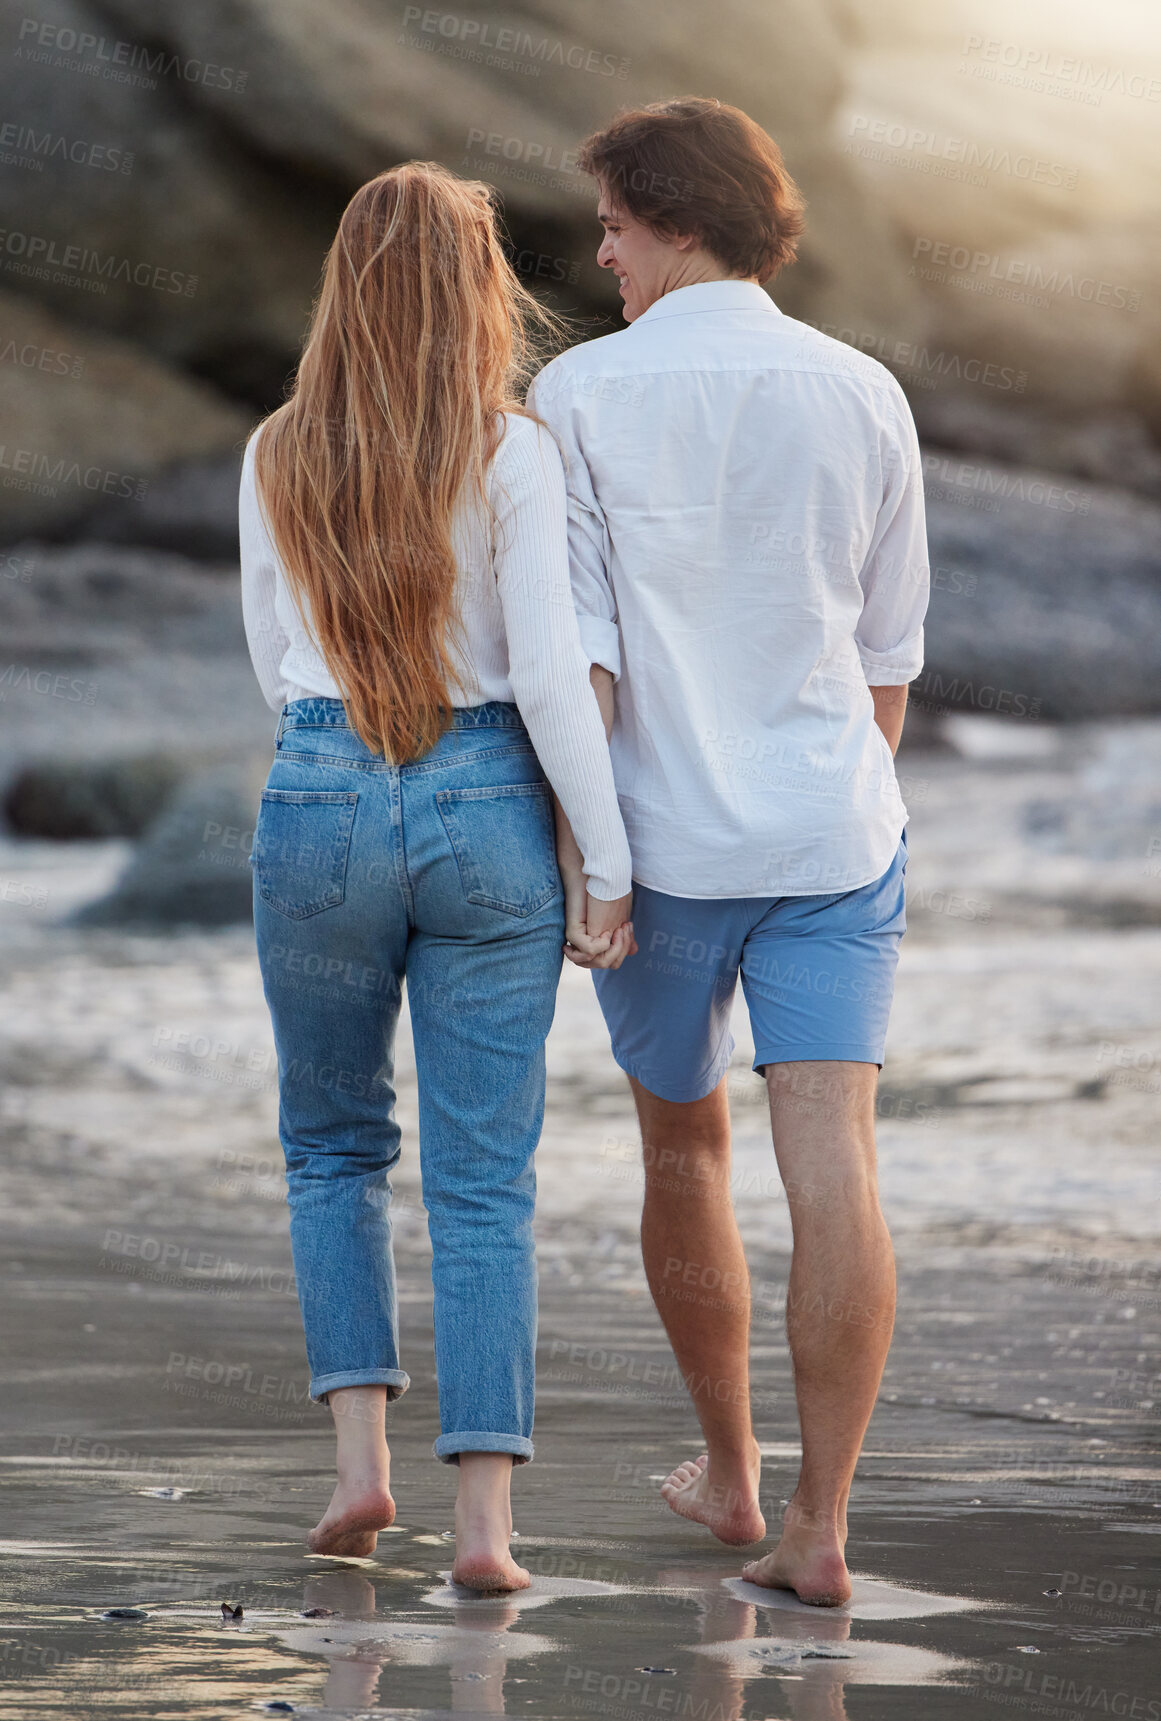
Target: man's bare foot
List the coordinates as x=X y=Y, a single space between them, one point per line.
x=351 y=1523
x=725 y=1501
x=484 y=1524
x=809 y=1560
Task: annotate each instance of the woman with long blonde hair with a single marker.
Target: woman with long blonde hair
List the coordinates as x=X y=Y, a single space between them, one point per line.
x=407 y=603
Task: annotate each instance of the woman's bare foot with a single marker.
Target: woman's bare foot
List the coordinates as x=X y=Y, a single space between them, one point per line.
x=361 y=1504
x=484 y=1525
x=351 y=1523
x=809 y=1560
x=723 y=1498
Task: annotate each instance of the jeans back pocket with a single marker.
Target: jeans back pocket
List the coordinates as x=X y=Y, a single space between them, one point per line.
x=300 y=850
x=504 y=842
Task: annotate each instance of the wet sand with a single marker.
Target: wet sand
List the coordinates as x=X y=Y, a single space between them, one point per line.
x=158 y=1453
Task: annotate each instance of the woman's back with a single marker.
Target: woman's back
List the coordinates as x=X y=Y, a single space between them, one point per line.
x=515 y=638
x=525 y=458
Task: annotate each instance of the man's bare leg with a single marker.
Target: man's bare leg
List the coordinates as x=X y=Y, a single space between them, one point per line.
x=840 y=1308
x=697 y=1274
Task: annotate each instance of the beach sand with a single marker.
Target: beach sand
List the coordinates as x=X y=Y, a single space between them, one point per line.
x=158 y=1452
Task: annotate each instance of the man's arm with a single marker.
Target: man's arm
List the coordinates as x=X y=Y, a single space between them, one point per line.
x=890 y=710
x=895 y=576
x=602 y=681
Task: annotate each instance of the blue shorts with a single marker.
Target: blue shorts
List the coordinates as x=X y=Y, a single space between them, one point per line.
x=818 y=973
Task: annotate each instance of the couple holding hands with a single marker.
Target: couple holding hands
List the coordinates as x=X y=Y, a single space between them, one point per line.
x=616 y=676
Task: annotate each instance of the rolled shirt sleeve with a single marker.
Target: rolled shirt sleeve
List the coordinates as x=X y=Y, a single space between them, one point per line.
x=896 y=575
x=588 y=533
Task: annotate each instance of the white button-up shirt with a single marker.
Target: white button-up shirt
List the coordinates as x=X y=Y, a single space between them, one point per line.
x=748 y=556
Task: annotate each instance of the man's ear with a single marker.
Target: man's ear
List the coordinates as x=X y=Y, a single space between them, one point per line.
x=684 y=241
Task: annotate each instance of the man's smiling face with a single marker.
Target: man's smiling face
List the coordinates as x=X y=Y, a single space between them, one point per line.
x=646 y=265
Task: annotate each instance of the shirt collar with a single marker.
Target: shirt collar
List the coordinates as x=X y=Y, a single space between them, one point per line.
x=710 y=296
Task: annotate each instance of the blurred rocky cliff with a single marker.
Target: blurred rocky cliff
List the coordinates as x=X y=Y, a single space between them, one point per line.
x=171 y=175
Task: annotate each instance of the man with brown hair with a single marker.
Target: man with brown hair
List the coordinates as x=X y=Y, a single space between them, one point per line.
x=749 y=566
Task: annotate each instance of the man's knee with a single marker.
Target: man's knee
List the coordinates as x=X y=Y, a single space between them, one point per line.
x=830 y=1092
x=686 y=1171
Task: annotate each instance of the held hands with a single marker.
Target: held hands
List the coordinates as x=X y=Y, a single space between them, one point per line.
x=597 y=934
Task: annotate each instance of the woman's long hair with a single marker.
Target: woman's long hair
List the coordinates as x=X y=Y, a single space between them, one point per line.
x=420 y=338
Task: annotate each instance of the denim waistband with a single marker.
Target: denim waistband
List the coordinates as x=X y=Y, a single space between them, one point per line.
x=329 y=714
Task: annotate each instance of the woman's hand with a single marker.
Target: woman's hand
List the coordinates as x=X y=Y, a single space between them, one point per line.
x=576 y=931
x=606 y=937
x=597 y=934
x=572 y=876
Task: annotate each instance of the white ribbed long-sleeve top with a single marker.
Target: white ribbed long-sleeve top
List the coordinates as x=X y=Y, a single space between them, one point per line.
x=518 y=631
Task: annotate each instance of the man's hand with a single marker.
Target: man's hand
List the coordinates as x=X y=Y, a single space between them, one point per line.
x=576 y=931
x=607 y=935
x=583 y=943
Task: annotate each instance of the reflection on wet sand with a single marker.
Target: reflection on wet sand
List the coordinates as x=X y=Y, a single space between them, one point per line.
x=811 y=1653
x=359 y=1644
x=717 y=1687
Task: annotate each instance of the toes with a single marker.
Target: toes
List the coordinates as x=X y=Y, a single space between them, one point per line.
x=686 y=1473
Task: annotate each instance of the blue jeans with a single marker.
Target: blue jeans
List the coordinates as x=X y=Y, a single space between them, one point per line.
x=443 y=871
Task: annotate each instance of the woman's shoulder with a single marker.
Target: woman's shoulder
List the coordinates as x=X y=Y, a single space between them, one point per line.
x=249 y=453
x=526 y=447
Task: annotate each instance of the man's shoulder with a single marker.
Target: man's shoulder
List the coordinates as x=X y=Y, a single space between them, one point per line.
x=807 y=347
x=605 y=354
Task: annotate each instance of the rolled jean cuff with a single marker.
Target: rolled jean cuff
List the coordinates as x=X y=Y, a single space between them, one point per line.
x=394 y=1379
x=449 y=1446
